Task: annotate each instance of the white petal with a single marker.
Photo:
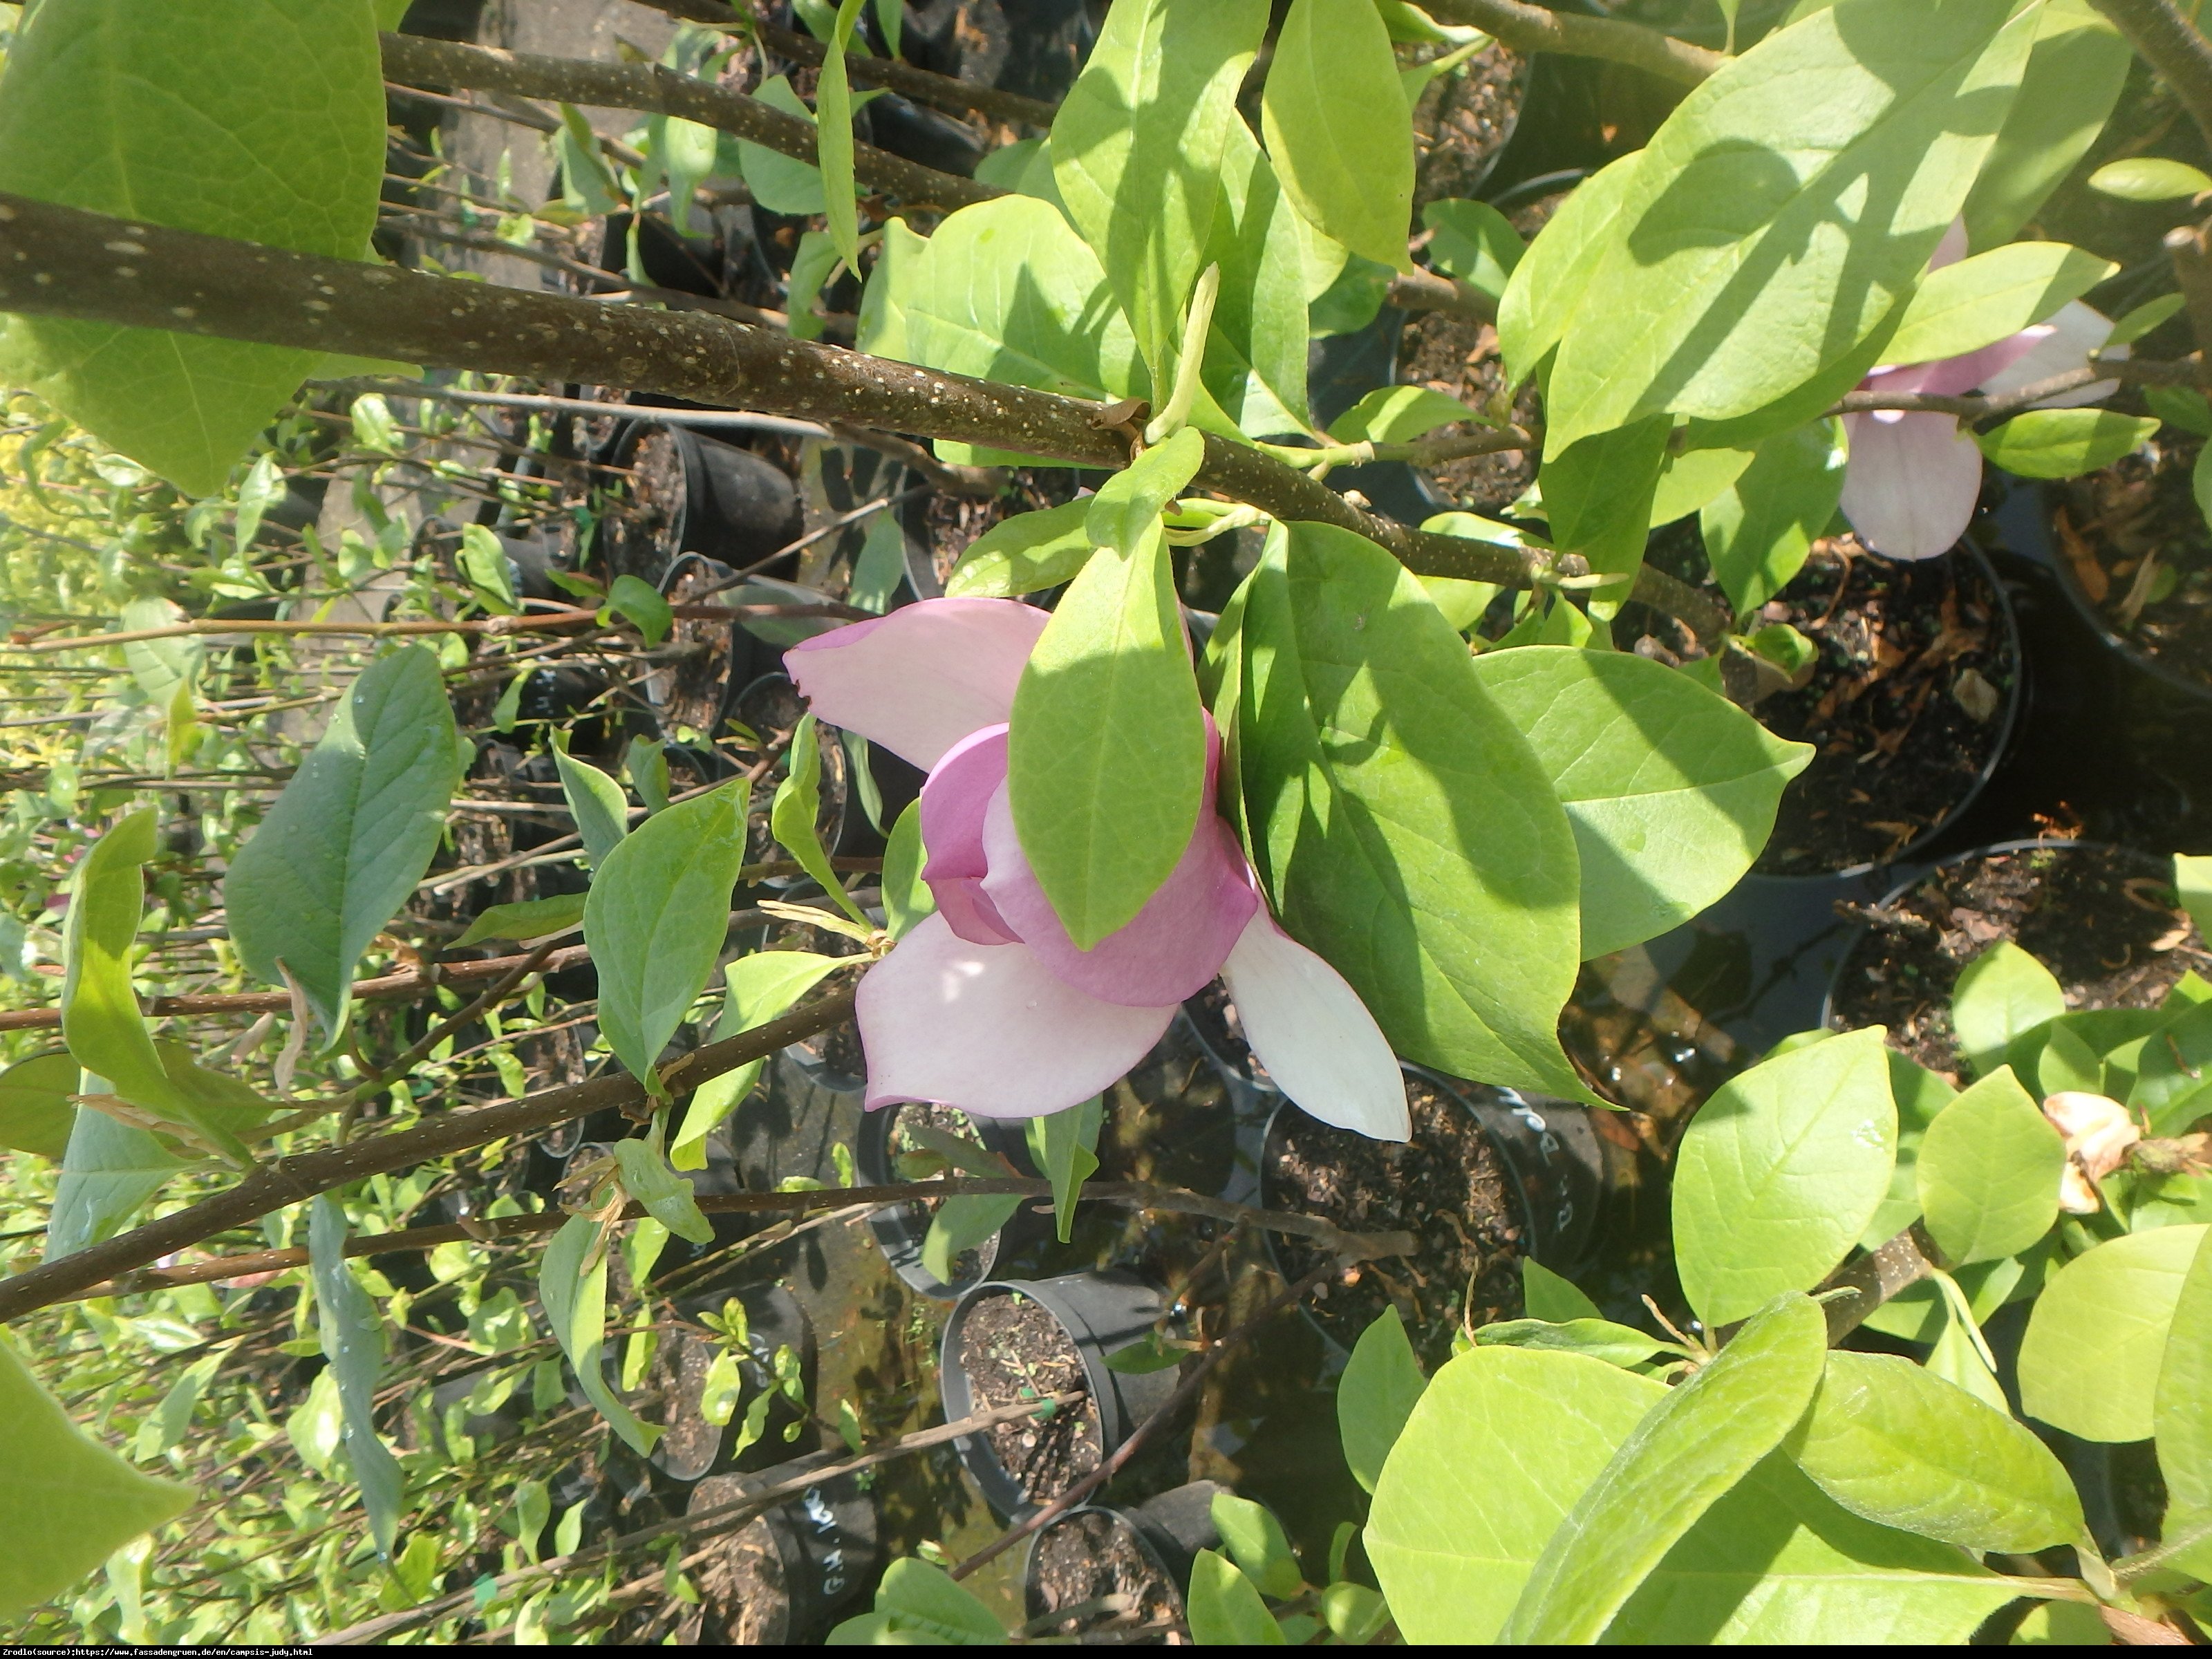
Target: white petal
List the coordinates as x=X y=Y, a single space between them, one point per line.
x=1314 y=1035
x=1911 y=482
x=990 y=1029
x=2064 y=342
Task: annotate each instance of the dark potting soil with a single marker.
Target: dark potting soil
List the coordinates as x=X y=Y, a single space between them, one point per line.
x=2136 y=544
x=743 y=1593
x=639 y=534
x=1092 y=1556
x=1447 y=1185
x=1462 y=120
x=1905 y=707
x=2104 y=919
x=1013 y=1350
x=912 y=1161
x=699 y=682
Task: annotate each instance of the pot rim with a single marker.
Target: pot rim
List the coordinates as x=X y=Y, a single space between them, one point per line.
x=1130 y=1523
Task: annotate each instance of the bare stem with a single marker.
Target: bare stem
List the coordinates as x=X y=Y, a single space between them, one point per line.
x=2174 y=47
x=1539 y=28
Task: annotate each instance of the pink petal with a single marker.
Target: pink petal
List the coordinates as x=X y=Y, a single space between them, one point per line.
x=1314 y=1035
x=1911 y=482
x=2064 y=342
x=923 y=677
x=1951 y=376
x=1952 y=248
x=1169 y=950
x=990 y=1030
x=953 y=800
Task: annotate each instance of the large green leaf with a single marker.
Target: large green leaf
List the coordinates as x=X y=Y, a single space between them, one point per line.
x=1670 y=789
x=1024 y=553
x=1989 y=1172
x=71 y=1502
x=1403 y=827
x=1758 y=532
x=571 y=1287
x=2089 y=1363
x=1256 y=1542
x=1137 y=150
x=1006 y=290
x=2173 y=1084
x=35 y=1114
x=2075 y=73
x=262 y=120
x=1598 y=497
x=1775 y=1562
x=1334 y=116
x=1381 y=1385
x=1547 y=288
x=353 y=1344
x=1106 y=761
x=2064 y=443
x=658 y=913
x=1920 y=1094
x=351 y=834
x=1255 y=358
x=1779 y=1172
x=1766 y=232
x=2181 y=1413
x=1891 y=1442
x=1981 y=301
x=1698 y=1441
x=108 y=1170
x=2000 y=994
x=780 y=183
x=1495 y=1454
x=1224 y=1608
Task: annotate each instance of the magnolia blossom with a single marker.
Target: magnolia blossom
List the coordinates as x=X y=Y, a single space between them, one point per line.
x=2098 y=1132
x=1911 y=479
x=987 y=1004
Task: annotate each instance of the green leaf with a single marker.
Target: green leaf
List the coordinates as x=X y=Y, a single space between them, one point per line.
x=350 y=837
x=906 y=897
x=647 y=761
x=72 y=1502
x=108 y=1170
x=1993 y=296
x=2073 y=78
x=200 y=120
x=917 y=1604
x=1107 y=756
x=1334 y=116
x=1696 y=1443
x=1397 y=414
x=833 y=104
x=1256 y=357
x=1402 y=828
x=100 y=1021
x=658 y=913
x=1137 y=148
x=2150 y=178
x=36 y=1113
x=586 y=185
x=572 y=1286
x=1693 y=479
x=1919 y=1095
x=483 y=564
x=1023 y=553
x=1548 y=287
x=596 y=801
x=525 y=919
x=1486 y=1469
x=1891 y=1442
x=1256 y=1542
x=2181 y=1412
x=1474 y=242
x=1779 y=1172
x=1006 y=290
x=877 y=570
x=780 y=183
x=757 y=988
x=881 y=330
x=1671 y=789
x=810 y=264
x=353 y=1344
x=1381 y=1385
x=640 y=602
x=665 y=1194
x=1548 y=1297
x=2061 y=1625
x=1598 y=497
x=797 y=805
x=1599 y=1339
x=2132 y=326
x=1748 y=253
x=1065 y=1145
x=1353 y=1612
x=1989 y=1172
x=961 y=1223
x=2192 y=880
x=160 y=666
x=2174 y=1085
x=2089 y=1363
x=2064 y=443
x=2001 y=993
x=1224 y=1610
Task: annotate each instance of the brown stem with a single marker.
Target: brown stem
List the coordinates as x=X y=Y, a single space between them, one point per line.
x=939 y=91
x=413 y=59
x=1538 y=28
x=1902 y=1262
x=284 y=1181
x=1186 y=1391
x=1432 y=291
x=2174 y=46
x=2189 y=249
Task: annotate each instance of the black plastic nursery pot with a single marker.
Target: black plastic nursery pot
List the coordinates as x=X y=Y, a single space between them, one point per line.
x=1489 y=1176
x=1128 y=1565
x=691 y=494
x=718 y=659
x=786 y=1576
x=2102 y=918
x=1010 y=1340
x=901 y=1229
x=693 y=1448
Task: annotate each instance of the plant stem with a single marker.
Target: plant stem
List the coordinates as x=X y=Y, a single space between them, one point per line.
x=1538 y=28
x=2174 y=46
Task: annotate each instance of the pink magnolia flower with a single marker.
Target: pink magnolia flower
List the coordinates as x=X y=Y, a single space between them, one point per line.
x=988 y=1004
x=1910 y=480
